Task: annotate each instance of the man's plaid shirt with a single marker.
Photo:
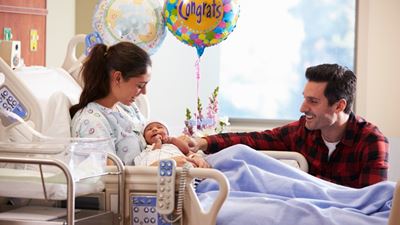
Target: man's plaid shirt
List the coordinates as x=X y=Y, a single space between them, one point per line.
x=360 y=158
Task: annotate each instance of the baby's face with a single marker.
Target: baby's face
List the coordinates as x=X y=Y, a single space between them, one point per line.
x=155 y=131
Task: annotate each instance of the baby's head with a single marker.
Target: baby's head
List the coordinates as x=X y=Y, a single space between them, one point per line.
x=153 y=130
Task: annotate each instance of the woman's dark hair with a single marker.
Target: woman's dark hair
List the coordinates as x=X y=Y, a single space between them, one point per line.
x=126 y=57
x=341 y=82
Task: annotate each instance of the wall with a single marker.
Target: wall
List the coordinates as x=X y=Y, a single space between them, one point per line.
x=23 y=18
x=83 y=25
x=378 y=55
x=377 y=69
x=60 y=28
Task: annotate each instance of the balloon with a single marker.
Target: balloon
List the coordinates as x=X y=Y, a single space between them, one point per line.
x=201 y=23
x=137 y=21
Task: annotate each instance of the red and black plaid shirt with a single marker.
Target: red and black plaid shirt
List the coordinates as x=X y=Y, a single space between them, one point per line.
x=360 y=158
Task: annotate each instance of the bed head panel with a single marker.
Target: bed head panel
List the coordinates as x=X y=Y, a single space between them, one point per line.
x=11 y=87
x=47 y=94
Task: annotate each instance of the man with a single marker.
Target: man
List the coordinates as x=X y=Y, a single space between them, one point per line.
x=339 y=146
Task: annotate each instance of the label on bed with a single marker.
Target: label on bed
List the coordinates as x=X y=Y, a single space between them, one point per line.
x=39 y=213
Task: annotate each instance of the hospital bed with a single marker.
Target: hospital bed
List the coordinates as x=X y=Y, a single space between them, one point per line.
x=136 y=182
x=39 y=153
x=41 y=98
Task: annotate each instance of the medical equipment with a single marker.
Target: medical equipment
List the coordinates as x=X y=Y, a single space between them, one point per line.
x=44 y=97
x=166 y=187
x=10 y=51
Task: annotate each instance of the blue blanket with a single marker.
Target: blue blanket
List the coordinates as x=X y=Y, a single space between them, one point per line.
x=267 y=191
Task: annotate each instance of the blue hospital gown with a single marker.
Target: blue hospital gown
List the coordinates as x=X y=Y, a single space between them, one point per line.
x=123 y=126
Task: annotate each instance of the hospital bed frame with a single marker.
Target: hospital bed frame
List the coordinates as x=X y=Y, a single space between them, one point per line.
x=84 y=216
x=394 y=218
x=142 y=181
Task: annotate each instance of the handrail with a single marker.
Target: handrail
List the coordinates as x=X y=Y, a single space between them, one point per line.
x=140 y=178
x=394 y=217
x=289 y=155
x=121 y=184
x=209 y=217
x=70 y=182
x=68 y=175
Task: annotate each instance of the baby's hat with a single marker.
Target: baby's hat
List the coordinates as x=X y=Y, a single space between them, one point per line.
x=155 y=121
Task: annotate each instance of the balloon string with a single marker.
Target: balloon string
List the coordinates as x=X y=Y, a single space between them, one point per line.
x=197 y=65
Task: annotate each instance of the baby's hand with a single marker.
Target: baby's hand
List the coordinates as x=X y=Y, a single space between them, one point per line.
x=157 y=142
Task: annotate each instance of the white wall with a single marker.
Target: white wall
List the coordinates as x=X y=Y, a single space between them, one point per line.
x=378 y=74
x=173 y=85
x=60 y=27
x=378 y=60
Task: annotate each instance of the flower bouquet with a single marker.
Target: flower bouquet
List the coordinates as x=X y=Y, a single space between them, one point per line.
x=200 y=125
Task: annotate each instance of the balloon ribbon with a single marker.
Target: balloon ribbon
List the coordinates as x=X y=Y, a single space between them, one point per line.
x=197 y=66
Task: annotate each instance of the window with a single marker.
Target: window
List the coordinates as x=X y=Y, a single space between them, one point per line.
x=264 y=59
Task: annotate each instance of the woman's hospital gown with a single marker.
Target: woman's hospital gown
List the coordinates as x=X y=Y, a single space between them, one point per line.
x=122 y=125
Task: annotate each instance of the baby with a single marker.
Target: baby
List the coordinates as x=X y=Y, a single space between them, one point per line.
x=160 y=145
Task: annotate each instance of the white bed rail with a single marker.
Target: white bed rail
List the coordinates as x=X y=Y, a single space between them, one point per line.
x=64 y=168
x=143 y=180
x=72 y=64
x=194 y=212
x=70 y=218
x=394 y=218
x=288 y=157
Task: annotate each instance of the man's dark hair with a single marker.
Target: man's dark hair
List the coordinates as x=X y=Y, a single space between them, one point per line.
x=341 y=82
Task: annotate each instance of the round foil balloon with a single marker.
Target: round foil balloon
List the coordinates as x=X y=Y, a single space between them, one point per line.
x=137 y=21
x=201 y=23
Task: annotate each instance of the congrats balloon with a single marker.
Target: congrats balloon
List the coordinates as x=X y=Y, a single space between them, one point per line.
x=201 y=23
x=137 y=21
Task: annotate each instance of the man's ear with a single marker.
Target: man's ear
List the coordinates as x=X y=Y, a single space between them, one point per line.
x=341 y=105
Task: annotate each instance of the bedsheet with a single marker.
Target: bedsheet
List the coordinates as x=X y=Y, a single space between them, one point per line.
x=266 y=191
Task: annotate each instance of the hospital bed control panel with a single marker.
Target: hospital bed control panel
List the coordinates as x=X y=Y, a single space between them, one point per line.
x=9 y=102
x=144 y=211
x=166 y=186
x=157 y=209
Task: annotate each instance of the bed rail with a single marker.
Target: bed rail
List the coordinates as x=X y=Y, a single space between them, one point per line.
x=286 y=156
x=394 y=218
x=64 y=168
x=70 y=218
x=142 y=180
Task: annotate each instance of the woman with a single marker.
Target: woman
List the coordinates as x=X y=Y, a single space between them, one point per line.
x=113 y=77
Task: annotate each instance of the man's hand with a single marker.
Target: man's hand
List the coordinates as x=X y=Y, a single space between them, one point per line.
x=196 y=161
x=199 y=161
x=194 y=144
